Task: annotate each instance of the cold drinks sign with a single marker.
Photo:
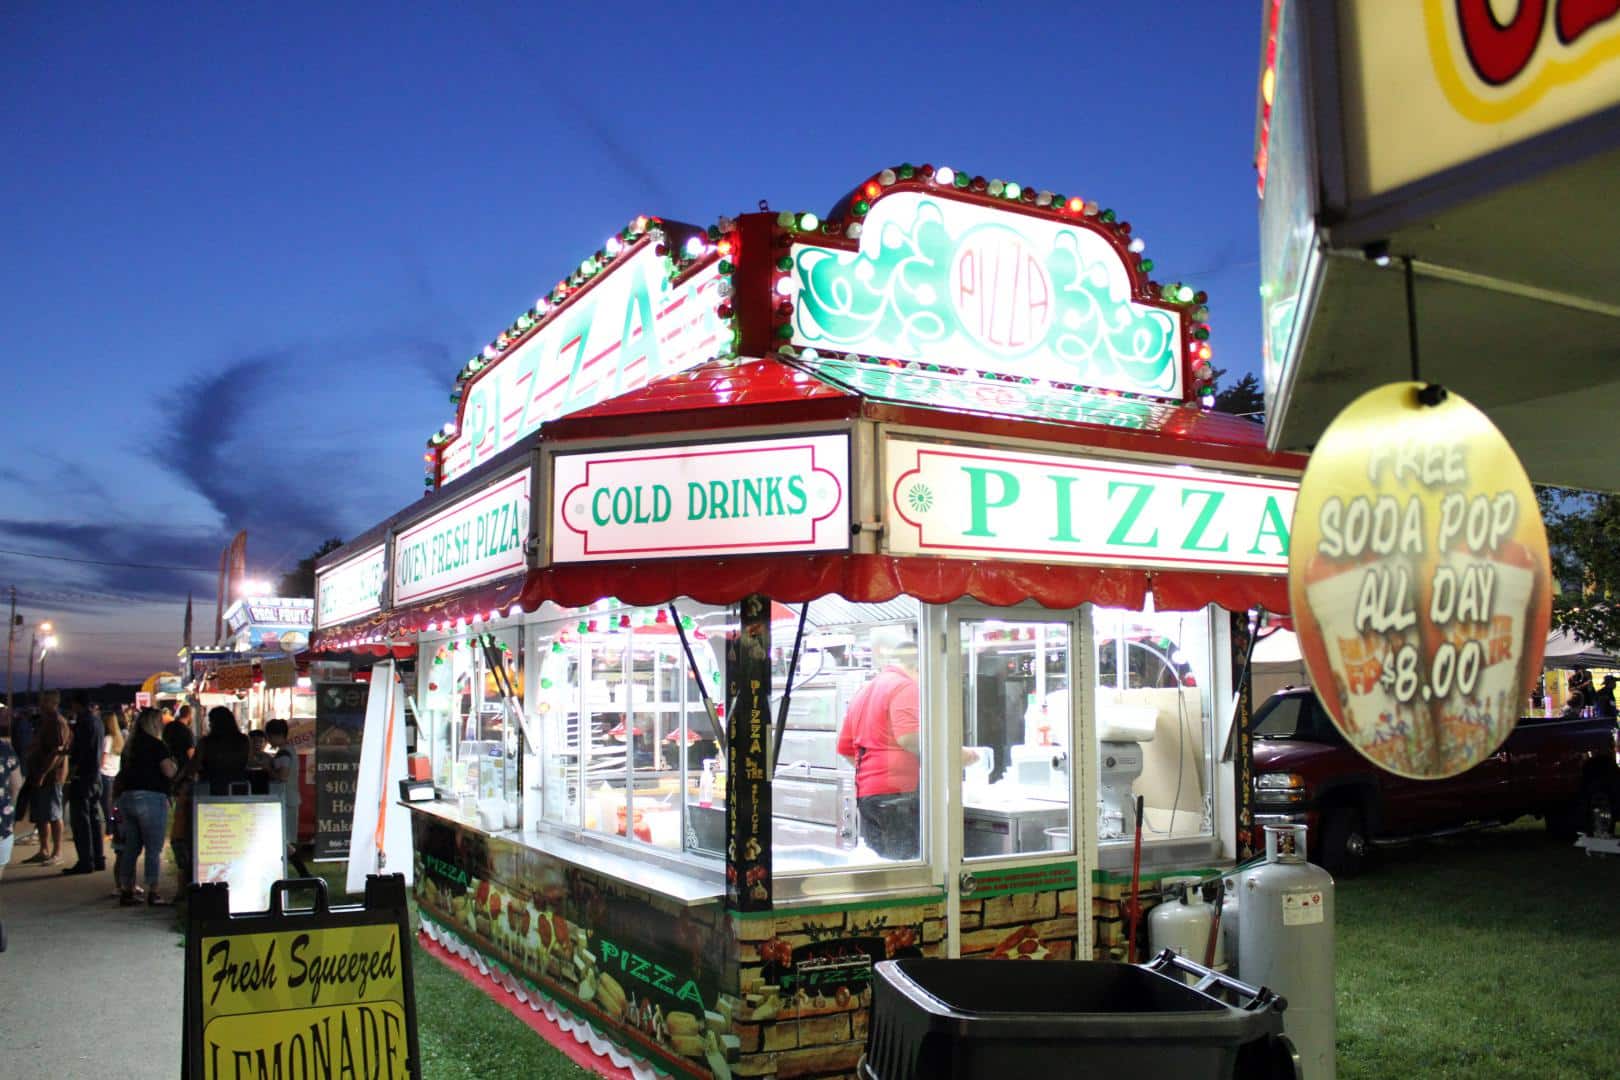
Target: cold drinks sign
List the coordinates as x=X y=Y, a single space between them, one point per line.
x=1419 y=581
x=704 y=499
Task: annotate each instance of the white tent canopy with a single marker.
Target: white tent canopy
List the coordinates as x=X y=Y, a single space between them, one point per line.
x=1277 y=661
x=1567 y=651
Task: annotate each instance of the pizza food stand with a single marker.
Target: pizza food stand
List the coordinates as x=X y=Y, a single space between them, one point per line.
x=700 y=494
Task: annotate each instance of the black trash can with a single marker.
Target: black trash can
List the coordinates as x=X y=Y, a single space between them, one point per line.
x=1005 y=1020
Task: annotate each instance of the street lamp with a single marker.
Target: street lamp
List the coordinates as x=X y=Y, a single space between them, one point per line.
x=46 y=645
x=33 y=646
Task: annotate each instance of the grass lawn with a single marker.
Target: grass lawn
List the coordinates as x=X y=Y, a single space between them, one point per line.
x=1490 y=955
x=463 y=1032
x=1493 y=954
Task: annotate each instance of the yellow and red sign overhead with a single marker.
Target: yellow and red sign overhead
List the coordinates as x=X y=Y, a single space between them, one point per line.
x=1420 y=582
x=1432 y=84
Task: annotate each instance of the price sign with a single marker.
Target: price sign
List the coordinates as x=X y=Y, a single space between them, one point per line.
x=1420 y=581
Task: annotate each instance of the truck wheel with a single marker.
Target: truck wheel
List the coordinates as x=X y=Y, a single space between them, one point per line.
x=1587 y=813
x=1344 y=842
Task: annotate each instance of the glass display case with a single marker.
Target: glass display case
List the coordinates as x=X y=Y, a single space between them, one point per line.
x=1154 y=723
x=469 y=719
x=626 y=731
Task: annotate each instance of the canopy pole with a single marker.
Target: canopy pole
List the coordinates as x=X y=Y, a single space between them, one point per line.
x=691 y=661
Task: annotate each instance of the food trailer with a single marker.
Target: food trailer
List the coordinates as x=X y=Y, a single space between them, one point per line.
x=942 y=461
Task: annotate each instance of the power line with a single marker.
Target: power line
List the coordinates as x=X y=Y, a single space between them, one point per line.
x=105 y=562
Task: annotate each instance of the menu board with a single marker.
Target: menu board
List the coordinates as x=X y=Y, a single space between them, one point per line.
x=340 y=720
x=239 y=841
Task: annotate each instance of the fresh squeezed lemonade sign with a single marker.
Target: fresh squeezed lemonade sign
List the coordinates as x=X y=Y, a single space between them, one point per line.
x=963 y=501
x=711 y=499
x=1419 y=581
x=309 y=1003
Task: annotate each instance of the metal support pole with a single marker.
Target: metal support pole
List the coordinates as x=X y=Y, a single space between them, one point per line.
x=33 y=644
x=11 y=651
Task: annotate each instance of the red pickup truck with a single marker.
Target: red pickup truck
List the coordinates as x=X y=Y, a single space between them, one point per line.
x=1566 y=771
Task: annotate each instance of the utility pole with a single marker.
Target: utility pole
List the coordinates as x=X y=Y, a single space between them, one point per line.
x=33 y=647
x=11 y=650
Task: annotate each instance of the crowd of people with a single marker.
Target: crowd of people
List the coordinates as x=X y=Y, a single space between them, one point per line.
x=125 y=779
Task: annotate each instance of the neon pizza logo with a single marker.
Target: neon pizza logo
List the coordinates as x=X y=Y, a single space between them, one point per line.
x=1497 y=59
x=1000 y=290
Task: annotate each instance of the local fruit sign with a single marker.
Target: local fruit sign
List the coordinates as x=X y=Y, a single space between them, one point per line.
x=971 y=501
x=474 y=540
x=350 y=589
x=771 y=495
x=946 y=282
x=1419 y=581
x=630 y=326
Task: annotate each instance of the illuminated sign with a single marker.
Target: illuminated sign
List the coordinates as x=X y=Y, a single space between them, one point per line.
x=1436 y=83
x=941 y=281
x=733 y=498
x=350 y=589
x=288 y=611
x=630 y=326
x=476 y=539
x=968 y=501
x=1421 y=585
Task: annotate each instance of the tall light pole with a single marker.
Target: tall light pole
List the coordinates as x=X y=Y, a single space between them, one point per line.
x=46 y=646
x=33 y=646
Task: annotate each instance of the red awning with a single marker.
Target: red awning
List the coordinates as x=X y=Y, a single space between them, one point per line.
x=473 y=606
x=873 y=578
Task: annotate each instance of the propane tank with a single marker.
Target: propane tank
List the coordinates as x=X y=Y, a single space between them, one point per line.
x=1285 y=943
x=1231 y=904
x=1182 y=921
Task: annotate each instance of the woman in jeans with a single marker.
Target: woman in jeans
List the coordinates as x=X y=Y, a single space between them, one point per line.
x=143 y=802
x=112 y=751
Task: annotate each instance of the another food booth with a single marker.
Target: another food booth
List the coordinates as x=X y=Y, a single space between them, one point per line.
x=949 y=442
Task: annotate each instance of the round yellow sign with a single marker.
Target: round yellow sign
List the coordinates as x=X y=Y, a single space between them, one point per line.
x=1419 y=581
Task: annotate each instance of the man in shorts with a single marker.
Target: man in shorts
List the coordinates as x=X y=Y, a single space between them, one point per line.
x=47 y=771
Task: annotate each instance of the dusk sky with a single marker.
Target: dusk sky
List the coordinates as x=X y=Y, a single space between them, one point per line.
x=246 y=248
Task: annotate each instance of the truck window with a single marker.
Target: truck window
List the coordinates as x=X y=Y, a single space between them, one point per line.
x=1286 y=717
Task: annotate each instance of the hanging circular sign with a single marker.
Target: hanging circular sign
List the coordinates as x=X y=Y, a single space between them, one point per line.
x=1419 y=580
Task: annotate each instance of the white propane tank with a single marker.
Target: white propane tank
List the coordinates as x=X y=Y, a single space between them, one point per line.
x=1285 y=943
x=1230 y=923
x=1182 y=921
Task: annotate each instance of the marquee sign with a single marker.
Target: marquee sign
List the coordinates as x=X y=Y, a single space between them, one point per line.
x=474 y=540
x=941 y=281
x=768 y=495
x=1431 y=84
x=278 y=611
x=974 y=501
x=350 y=589
x=630 y=326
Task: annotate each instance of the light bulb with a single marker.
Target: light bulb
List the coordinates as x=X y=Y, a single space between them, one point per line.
x=945 y=176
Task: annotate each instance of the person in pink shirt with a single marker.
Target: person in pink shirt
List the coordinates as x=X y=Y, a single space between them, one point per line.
x=880 y=735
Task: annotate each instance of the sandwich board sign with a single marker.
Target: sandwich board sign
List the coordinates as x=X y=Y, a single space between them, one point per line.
x=323 y=992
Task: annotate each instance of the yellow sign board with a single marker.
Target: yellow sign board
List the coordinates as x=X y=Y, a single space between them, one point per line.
x=320 y=993
x=308 y=1003
x=1429 y=84
x=1419 y=580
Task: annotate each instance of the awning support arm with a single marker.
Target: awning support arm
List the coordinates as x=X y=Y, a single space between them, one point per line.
x=697 y=676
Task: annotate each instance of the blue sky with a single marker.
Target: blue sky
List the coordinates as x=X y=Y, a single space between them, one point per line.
x=247 y=247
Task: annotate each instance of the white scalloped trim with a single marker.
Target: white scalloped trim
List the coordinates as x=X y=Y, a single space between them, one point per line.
x=539 y=1001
